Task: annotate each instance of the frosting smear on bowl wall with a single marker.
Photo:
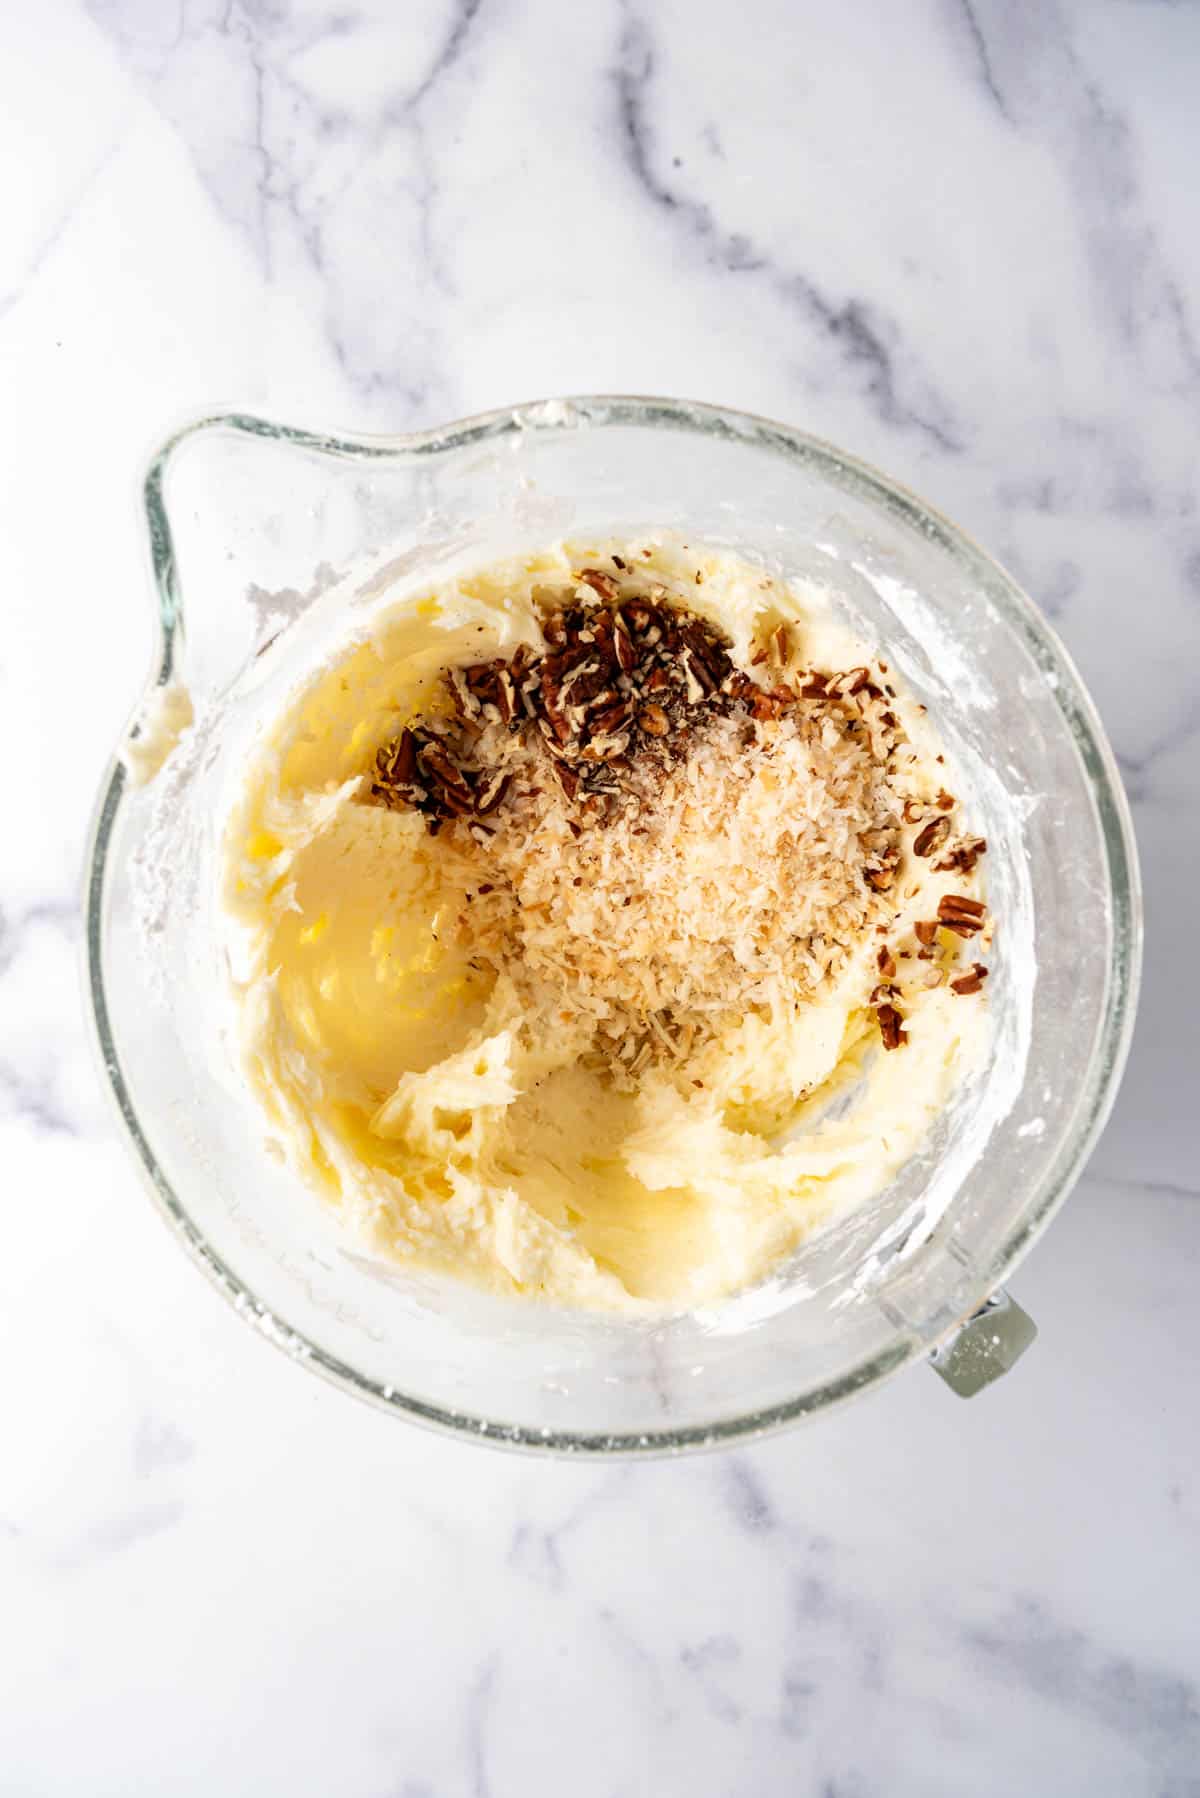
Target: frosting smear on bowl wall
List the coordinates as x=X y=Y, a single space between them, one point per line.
x=604 y=922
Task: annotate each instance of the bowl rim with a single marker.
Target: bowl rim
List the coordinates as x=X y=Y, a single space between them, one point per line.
x=1101 y=1077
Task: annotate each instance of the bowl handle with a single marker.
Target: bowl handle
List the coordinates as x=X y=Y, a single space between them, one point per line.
x=984 y=1346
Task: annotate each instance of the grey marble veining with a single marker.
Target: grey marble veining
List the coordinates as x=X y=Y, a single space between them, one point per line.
x=956 y=237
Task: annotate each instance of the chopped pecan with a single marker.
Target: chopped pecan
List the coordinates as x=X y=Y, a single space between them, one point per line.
x=435 y=761
x=963 y=856
x=771 y=704
x=699 y=681
x=604 y=748
x=613 y=718
x=654 y=721
x=890 y=1026
x=568 y=778
x=962 y=904
x=926 y=931
x=880 y=880
x=458 y=802
x=506 y=696
x=886 y=962
x=492 y=793
x=601 y=583
x=606 y=664
x=397 y=760
x=710 y=659
x=931 y=837
x=623 y=643
x=587 y=682
x=397 y=780
x=971 y=981
x=465 y=700
x=962 y=915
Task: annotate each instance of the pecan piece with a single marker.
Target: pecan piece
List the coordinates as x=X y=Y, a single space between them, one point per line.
x=612 y=719
x=506 y=696
x=585 y=683
x=559 y=726
x=654 y=721
x=623 y=643
x=454 y=802
x=398 y=781
x=926 y=931
x=962 y=915
x=931 y=837
x=963 y=856
x=770 y=704
x=707 y=651
x=890 y=1026
x=397 y=761
x=599 y=582
x=492 y=793
x=466 y=702
x=700 y=682
x=963 y=904
x=568 y=778
x=971 y=981
x=435 y=761
x=605 y=747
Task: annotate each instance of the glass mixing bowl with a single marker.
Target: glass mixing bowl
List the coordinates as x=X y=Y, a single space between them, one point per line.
x=267 y=545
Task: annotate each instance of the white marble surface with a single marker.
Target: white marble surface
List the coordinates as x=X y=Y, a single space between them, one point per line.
x=958 y=238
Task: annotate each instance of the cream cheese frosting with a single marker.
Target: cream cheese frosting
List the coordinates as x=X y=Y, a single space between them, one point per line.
x=412 y=1085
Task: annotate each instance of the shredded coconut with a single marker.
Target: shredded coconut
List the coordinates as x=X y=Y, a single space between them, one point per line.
x=732 y=881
